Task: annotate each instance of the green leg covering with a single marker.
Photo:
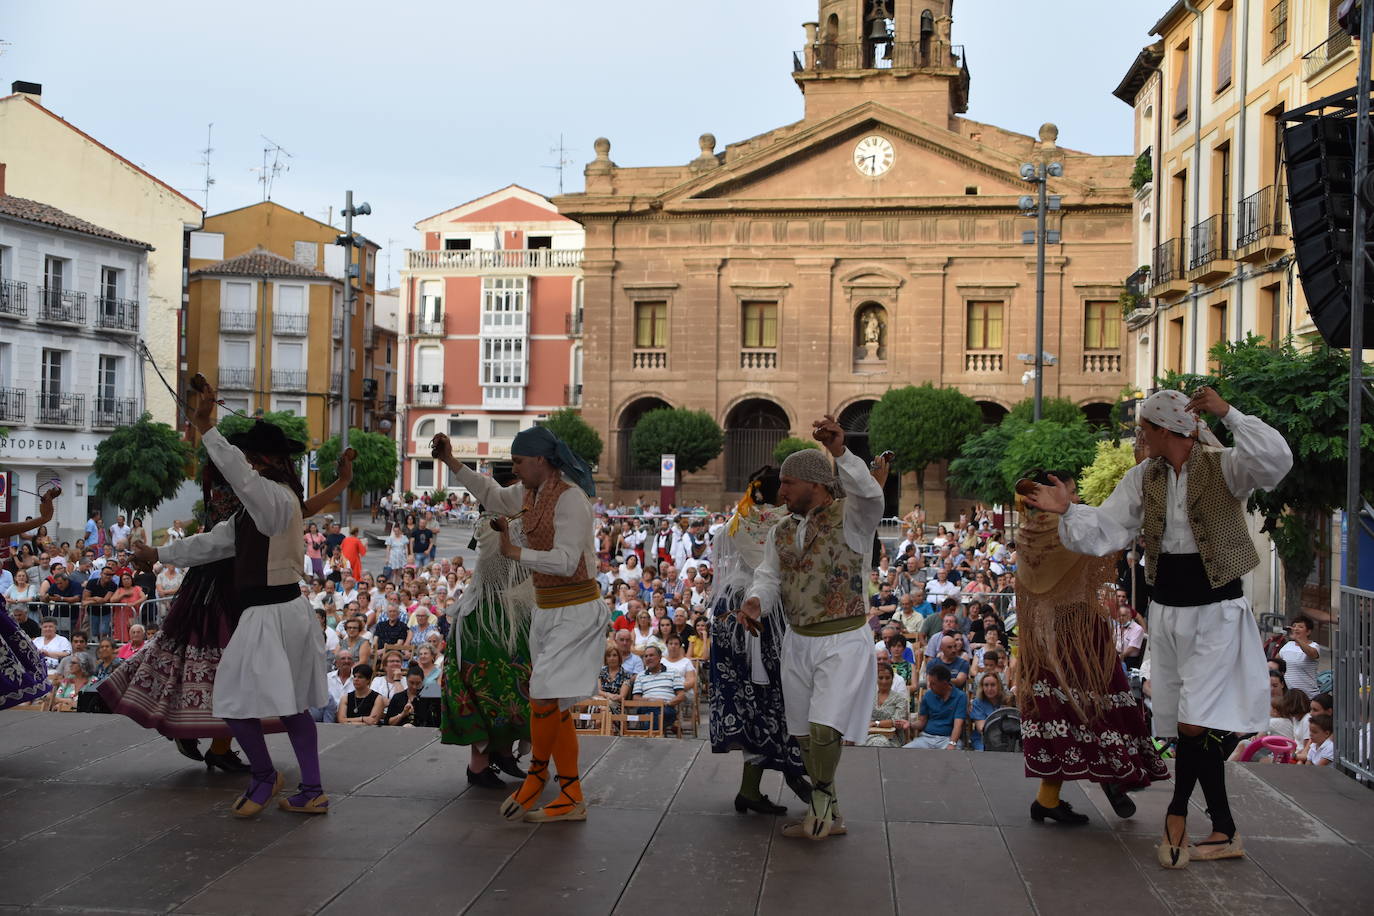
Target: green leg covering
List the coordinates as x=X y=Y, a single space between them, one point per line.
x=750 y=785
x=822 y=757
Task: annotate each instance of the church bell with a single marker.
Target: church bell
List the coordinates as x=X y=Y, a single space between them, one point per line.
x=878 y=31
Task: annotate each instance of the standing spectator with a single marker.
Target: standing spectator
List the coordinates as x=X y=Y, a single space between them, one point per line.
x=333 y=537
x=137 y=533
x=95 y=600
x=432 y=525
x=420 y=538
x=353 y=550
x=176 y=532
x=125 y=602
x=119 y=532
x=95 y=532
x=943 y=709
x=168 y=581
x=21 y=591
x=314 y=543
x=397 y=547
x=1130 y=637
x=1301 y=654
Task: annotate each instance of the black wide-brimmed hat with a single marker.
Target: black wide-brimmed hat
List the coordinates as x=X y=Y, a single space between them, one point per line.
x=266 y=439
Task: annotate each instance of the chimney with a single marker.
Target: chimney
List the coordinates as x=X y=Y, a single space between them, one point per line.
x=31 y=90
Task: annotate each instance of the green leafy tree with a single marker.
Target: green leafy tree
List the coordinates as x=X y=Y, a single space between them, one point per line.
x=1048 y=445
x=922 y=424
x=792 y=444
x=976 y=472
x=1100 y=478
x=375 y=467
x=1060 y=410
x=692 y=435
x=568 y=425
x=295 y=427
x=141 y=465
x=1303 y=395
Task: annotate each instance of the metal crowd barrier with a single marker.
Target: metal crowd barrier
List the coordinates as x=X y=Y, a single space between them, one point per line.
x=98 y=618
x=1353 y=661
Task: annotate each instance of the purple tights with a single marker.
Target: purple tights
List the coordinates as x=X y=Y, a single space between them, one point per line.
x=300 y=728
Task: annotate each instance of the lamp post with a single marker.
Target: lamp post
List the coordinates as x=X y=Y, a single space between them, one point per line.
x=349 y=242
x=1040 y=203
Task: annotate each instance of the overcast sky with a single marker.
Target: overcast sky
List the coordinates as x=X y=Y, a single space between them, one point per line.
x=419 y=105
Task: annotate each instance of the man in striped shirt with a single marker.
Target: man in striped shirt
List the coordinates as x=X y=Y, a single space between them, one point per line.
x=659 y=682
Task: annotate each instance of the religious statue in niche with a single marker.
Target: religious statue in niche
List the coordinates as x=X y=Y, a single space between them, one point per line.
x=872 y=327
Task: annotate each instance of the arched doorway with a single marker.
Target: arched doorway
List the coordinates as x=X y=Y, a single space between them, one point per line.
x=752 y=430
x=631 y=477
x=993 y=413
x=854 y=421
x=1098 y=414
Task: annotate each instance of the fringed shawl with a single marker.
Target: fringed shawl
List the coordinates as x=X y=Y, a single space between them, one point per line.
x=500 y=582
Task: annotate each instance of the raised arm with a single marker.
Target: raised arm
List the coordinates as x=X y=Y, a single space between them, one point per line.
x=196 y=550
x=1261 y=456
x=314 y=504
x=268 y=503
x=45 y=510
x=496 y=498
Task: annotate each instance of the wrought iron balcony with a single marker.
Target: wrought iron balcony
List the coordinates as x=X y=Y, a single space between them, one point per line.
x=114 y=314
x=1207 y=241
x=369 y=337
x=238 y=378
x=14 y=299
x=427 y=325
x=1316 y=60
x=1139 y=281
x=107 y=413
x=288 y=379
x=12 y=405
x=238 y=322
x=290 y=324
x=572 y=395
x=1261 y=215
x=336 y=327
x=511 y=259
x=431 y=395
x=61 y=306
x=1168 y=262
x=336 y=384
x=649 y=359
x=573 y=323
x=57 y=408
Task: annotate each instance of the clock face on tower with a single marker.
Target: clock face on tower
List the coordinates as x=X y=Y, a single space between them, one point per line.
x=873 y=155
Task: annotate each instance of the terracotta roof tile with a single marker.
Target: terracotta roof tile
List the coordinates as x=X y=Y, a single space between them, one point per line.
x=261 y=263
x=35 y=212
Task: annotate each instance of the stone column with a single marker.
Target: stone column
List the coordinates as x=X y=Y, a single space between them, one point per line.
x=694 y=332
x=919 y=346
x=820 y=339
x=604 y=352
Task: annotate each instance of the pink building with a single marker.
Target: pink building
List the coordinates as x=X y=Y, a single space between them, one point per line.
x=492 y=316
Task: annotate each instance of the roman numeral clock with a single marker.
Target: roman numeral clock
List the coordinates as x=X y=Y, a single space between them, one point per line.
x=873 y=155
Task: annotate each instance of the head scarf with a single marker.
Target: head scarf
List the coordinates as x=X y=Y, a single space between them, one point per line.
x=539 y=442
x=1169 y=409
x=812 y=466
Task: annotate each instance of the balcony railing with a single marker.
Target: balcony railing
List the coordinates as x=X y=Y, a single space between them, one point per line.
x=573 y=324
x=476 y=259
x=336 y=384
x=288 y=379
x=758 y=358
x=60 y=409
x=1138 y=282
x=1101 y=363
x=896 y=55
x=649 y=359
x=238 y=322
x=1316 y=59
x=113 y=314
x=239 y=378
x=1168 y=262
x=1261 y=214
x=291 y=324
x=369 y=337
x=14 y=299
x=12 y=405
x=336 y=328
x=1207 y=241
x=427 y=325
x=427 y=395
x=107 y=413
x=62 y=306
x=572 y=395
x=983 y=361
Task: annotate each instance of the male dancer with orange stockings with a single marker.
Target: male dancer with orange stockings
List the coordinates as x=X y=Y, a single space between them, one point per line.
x=548 y=529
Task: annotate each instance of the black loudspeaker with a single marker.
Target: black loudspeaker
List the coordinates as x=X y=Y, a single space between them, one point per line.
x=1319 y=158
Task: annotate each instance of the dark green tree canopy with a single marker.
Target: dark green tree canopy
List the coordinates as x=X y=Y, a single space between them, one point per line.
x=141 y=465
x=375 y=467
x=792 y=444
x=692 y=435
x=977 y=471
x=923 y=424
x=568 y=425
x=1048 y=446
x=1060 y=410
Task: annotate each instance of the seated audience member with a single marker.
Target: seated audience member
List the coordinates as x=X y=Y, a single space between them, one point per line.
x=340 y=681
x=613 y=681
x=992 y=696
x=406 y=707
x=907 y=618
x=362 y=705
x=941 y=715
x=391 y=630
x=1319 y=749
x=51 y=647
x=80 y=649
x=889 y=712
x=138 y=636
x=624 y=641
x=949 y=658
x=660 y=683
x=1322 y=705
x=64 y=697
x=392 y=680
x=950 y=627
x=27 y=624
x=355 y=643
x=106 y=659
x=677 y=660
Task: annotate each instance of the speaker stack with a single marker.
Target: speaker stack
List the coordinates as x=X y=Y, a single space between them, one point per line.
x=1319 y=156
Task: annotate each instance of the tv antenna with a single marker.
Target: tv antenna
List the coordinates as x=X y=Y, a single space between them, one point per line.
x=563 y=161
x=205 y=161
x=389 y=242
x=269 y=171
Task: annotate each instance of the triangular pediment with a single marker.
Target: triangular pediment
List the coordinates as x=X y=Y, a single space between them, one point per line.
x=815 y=167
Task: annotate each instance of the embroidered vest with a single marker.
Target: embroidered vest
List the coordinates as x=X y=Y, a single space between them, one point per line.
x=822 y=582
x=266 y=569
x=538 y=523
x=1217 y=518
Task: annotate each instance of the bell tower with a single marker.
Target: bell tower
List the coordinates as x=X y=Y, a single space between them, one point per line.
x=896 y=52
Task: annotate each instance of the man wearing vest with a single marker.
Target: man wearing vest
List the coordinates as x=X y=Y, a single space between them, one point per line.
x=273 y=665
x=814 y=566
x=1208 y=669
x=549 y=529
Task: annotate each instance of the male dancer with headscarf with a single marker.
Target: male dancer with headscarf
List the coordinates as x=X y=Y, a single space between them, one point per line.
x=548 y=529
x=273 y=665
x=1208 y=667
x=814 y=566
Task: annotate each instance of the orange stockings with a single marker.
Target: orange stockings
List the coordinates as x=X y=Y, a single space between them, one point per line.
x=551 y=737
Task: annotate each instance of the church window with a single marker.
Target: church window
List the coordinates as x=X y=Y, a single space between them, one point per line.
x=760 y=325
x=985 y=325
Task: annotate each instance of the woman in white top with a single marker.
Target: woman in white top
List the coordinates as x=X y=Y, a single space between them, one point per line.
x=1301 y=654
x=630 y=570
x=22 y=590
x=396 y=546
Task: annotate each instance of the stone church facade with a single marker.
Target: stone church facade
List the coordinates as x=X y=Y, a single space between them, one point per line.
x=875 y=243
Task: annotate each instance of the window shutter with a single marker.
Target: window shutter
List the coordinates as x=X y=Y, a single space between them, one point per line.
x=1181 y=88
x=1224 y=53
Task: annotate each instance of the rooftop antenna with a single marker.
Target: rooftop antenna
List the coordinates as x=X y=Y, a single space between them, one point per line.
x=205 y=161
x=563 y=161
x=389 y=243
x=269 y=172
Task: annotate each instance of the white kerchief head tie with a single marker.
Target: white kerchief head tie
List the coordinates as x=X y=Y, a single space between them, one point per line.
x=1168 y=409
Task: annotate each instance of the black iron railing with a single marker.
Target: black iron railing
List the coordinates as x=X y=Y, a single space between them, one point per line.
x=431 y=395
x=1261 y=214
x=14 y=299
x=12 y=405
x=1323 y=53
x=56 y=408
x=1139 y=281
x=113 y=314
x=427 y=325
x=288 y=379
x=1168 y=262
x=61 y=305
x=1207 y=241
x=107 y=413
x=893 y=55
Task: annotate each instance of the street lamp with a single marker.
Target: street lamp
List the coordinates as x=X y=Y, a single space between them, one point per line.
x=348 y=241
x=1040 y=202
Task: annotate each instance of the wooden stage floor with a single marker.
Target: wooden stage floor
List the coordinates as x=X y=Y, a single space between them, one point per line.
x=98 y=815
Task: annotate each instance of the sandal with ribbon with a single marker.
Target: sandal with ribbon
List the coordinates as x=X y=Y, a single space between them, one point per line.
x=522 y=799
x=1211 y=850
x=305 y=803
x=1171 y=854
x=560 y=810
x=246 y=806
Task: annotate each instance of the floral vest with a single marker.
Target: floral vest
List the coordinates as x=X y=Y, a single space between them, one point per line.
x=538 y=523
x=823 y=581
x=1216 y=517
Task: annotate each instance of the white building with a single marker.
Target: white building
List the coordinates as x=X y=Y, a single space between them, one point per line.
x=73 y=300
